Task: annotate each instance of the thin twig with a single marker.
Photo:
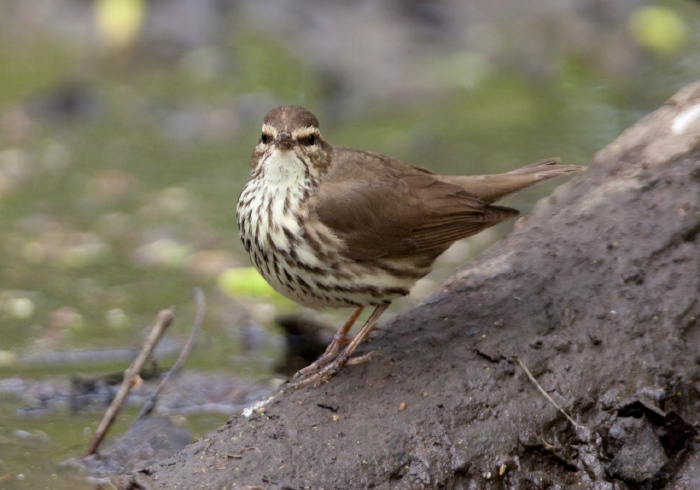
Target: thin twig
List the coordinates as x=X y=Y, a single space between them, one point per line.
x=546 y=395
x=184 y=354
x=163 y=321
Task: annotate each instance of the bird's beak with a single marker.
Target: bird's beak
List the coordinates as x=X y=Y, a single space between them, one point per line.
x=284 y=140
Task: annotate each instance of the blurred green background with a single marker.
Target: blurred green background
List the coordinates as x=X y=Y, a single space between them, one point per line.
x=126 y=127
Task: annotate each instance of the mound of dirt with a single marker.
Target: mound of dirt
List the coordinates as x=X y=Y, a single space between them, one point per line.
x=568 y=355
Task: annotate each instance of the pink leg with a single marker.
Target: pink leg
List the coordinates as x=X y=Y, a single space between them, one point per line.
x=339 y=339
x=341 y=359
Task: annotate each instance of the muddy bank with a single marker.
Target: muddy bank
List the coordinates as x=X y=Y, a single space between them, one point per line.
x=597 y=294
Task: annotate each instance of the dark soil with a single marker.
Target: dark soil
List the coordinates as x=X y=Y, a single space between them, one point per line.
x=597 y=294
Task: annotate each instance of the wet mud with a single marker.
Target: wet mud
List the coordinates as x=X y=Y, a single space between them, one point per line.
x=566 y=356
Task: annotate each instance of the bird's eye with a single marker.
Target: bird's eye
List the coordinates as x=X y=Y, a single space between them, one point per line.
x=309 y=140
x=265 y=138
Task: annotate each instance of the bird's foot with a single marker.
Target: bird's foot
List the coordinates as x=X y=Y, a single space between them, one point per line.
x=333 y=359
x=330 y=354
x=327 y=370
x=354 y=361
x=316 y=378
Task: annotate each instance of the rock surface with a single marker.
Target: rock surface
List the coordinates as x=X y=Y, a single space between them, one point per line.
x=597 y=294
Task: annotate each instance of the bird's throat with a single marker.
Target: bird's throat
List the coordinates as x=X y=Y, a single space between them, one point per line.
x=284 y=168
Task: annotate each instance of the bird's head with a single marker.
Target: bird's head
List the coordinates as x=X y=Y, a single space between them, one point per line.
x=291 y=142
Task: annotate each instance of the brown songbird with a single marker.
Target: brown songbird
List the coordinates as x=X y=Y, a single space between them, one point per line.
x=329 y=226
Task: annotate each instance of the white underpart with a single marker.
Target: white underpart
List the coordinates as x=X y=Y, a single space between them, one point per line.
x=283 y=175
x=283 y=168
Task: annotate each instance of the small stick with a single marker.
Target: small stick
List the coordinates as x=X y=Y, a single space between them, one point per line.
x=163 y=321
x=184 y=353
x=546 y=395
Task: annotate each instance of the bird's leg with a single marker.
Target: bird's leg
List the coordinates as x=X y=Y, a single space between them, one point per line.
x=339 y=339
x=362 y=334
x=341 y=359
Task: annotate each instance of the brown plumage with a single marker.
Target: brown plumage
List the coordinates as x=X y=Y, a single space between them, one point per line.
x=329 y=226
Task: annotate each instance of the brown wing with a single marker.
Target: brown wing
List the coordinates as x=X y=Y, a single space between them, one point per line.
x=394 y=211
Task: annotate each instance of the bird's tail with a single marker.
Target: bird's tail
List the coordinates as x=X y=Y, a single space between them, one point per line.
x=491 y=188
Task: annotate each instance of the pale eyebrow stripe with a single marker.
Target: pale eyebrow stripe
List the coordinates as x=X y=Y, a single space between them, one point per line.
x=266 y=128
x=301 y=133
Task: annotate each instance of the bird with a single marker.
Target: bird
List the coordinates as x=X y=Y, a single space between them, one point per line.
x=331 y=227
